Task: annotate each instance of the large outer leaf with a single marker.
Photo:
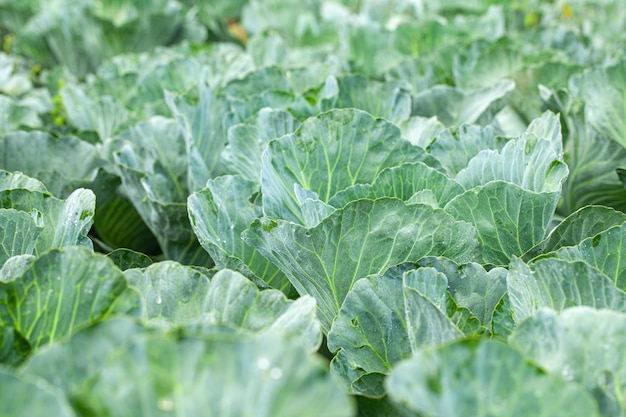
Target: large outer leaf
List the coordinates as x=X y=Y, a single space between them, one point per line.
x=483 y=379
x=559 y=284
x=59 y=292
x=30 y=397
x=508 y=219
x=219 y=214
x=223 y=375
x=82 y=354
x=603 y=251
x=512 y=211
x=363 y=238
x=384 y=318
x=583 y=345
x=370 y=333
x=66 y=222
x=328 y=153
x=583 y=223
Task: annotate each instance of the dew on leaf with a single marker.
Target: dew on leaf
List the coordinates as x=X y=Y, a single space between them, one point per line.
x=263 y=363
x=165 y=404
x=276 y=373
x=567 y=373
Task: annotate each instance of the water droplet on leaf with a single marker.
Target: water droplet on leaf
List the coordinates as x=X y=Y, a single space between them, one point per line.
x=263 y=364
x=276 y=373
x=165 y=404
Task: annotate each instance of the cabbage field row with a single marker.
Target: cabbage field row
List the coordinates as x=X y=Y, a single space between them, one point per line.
x=273 y=208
